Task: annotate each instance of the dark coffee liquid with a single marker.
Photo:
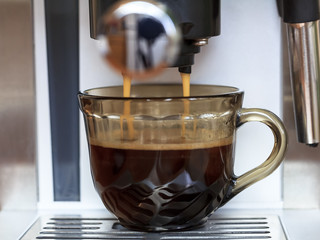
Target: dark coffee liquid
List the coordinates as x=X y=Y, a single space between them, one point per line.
x=163 y=188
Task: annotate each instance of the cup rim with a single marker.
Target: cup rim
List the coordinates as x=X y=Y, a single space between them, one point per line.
x=233 y=91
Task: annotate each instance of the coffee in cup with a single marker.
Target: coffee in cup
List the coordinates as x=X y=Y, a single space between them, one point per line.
x=170 y=173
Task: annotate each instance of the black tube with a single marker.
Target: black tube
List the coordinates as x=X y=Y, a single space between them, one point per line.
x=300 y=11
x=186 y=69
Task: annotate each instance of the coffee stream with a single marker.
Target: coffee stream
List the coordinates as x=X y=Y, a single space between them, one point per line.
x=126 y=109
x=185 y=84
x=186 y=93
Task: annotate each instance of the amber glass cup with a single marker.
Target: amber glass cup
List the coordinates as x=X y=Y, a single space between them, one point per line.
x=160 y=161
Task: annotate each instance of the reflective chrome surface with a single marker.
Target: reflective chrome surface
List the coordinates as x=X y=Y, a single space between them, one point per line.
x=227 y=227
x=304 y=65
x=301 y=168
x=201 y=42
x=142 y=37
x=93 y=5
x=17 y=107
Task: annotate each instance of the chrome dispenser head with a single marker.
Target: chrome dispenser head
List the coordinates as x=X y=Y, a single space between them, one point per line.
x=144 y=36
x=141 y=36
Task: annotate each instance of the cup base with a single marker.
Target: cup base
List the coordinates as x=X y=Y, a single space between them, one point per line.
x=167 y=228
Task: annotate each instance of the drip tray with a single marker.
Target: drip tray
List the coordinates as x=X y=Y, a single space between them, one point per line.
x=79 y=227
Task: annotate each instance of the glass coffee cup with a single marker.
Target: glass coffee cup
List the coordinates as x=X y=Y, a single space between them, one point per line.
x=161 y=161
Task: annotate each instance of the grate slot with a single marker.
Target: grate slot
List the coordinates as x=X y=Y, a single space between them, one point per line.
x=240 y=227
x=241 y=219
x=233 y=228
x=88 y=237
x=80 y=219
x=218 y=237
x=74 y=223
x=68 y=227
x=238 y=223
x=164 y=238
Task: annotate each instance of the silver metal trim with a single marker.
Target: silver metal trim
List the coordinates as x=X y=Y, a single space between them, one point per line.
x=93 y=5
x=18 y=186
x=201 y=42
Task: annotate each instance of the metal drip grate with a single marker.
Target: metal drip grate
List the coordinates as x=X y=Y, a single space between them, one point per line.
x=77 y=227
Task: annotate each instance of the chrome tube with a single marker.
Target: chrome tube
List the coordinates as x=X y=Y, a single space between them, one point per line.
x=94 y=18
x=303 y=43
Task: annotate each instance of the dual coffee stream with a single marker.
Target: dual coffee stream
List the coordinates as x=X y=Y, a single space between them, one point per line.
x=126 y=112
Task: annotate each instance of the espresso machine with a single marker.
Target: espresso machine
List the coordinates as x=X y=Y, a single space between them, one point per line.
x=185 y=26
x=269 y=49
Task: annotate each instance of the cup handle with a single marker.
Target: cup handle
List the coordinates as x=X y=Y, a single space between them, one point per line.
x=276 y=156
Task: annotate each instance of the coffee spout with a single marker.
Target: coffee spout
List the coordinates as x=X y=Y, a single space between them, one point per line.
x=303 y=42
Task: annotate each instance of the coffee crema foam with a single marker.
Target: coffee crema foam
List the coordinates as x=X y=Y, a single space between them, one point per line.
x=136 y=145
